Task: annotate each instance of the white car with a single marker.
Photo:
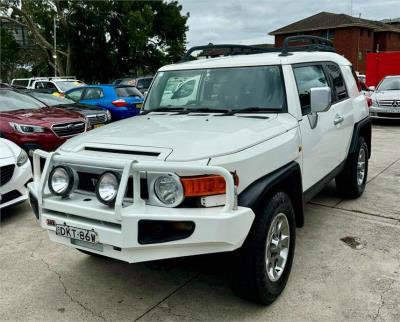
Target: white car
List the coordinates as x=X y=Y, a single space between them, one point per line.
x=229 y=171
x=48 y=84
x=15 y=173
x=386 y=99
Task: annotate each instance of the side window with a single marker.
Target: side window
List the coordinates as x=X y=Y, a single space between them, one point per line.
x=39 y=85
x=75 y=95
x=339 y=86
x=50 y=85
x=308 y=77
x=93 y=93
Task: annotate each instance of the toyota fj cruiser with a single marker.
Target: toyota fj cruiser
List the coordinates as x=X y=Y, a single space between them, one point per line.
x=223 y=157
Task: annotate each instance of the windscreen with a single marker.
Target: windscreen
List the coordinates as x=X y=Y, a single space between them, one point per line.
x=67 y=85
x=218 y=89
x=11 y=101
x=389 y=84
x=127 y=91
x=50 y=99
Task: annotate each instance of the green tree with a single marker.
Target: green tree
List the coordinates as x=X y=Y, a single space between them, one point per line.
x=100 y=40
x=9 y=51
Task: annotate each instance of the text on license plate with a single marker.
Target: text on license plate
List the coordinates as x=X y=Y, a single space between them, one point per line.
x=89 y=236
x=97 y=125
x=139 y=105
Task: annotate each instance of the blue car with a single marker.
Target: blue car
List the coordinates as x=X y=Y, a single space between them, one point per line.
x=121 y=100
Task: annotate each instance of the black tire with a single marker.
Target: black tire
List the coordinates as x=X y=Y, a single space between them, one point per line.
x=250 y=279
x=347 y=183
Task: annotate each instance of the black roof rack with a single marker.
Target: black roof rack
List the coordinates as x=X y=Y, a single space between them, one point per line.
x=209 y=51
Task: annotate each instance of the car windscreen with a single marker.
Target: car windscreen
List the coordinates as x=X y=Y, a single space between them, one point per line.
x=389 y=84
x=232 y=89
x=127 y=91
x=67 y=85
x=11 y=101
x=144 y=82
x=50 y=99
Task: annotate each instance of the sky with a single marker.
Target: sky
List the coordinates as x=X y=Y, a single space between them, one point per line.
x=250 y=21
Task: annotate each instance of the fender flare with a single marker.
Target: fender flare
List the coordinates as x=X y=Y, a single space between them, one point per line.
x=361 y=128
x=287 y=178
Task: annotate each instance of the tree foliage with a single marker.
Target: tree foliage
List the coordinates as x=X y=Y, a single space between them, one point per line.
x=100 y=40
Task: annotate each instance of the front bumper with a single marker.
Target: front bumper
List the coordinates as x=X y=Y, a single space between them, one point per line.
x=384 y=113
x=15 y=191
x=217 y=229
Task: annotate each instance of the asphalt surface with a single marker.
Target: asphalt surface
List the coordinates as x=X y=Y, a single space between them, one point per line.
x=346 y=267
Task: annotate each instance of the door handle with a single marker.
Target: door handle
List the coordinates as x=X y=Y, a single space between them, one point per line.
x=338 y=119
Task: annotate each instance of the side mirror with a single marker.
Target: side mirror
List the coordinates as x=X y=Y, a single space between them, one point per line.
x=372 y=88
x=320 y=98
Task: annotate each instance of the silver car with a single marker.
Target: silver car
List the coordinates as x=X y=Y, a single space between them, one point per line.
x=386 y=99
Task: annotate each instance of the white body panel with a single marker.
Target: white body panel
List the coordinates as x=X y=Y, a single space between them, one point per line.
x=22 y=174
x=198 y=144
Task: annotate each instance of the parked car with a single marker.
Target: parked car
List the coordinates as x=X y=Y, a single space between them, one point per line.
x=96 y=116
x=386 y=99
x=48 y=84
x=228 y=170
x=141 y=83
x=32 y=125
x=15 y=173
x=121 y=100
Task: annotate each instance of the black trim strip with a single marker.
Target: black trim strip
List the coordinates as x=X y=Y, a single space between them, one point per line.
x=146 y=153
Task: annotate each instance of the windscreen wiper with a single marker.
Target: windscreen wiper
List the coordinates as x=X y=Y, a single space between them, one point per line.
x=206 y=109
x=163 y=109
x=252 y=109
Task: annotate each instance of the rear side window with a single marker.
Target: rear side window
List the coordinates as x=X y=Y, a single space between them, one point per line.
x=339 y=86
x=93 y=93
x=75 y=95
x=127 y=91
x=308 y=77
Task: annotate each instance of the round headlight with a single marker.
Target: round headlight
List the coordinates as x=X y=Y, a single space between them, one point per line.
x=107 y=188
x=61 y=181
x=168 y=189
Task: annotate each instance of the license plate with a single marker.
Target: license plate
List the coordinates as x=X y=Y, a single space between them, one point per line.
x=393 y=110
x=97 y=125
x=89 y=236
x=139 y=105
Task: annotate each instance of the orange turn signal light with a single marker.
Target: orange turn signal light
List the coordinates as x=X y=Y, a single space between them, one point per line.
x=200 y=186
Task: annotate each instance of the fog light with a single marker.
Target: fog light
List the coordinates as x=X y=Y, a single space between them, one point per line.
x=107 y=188
x=61 y=181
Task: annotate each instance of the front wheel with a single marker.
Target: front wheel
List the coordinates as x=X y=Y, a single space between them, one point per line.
x=351 y=182
x=262 y=266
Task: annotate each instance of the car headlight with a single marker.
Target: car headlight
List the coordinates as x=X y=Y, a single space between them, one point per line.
x=25 y=128
x=375 y=103
x=61 y=181
x=107 y=188
x=109 y=116
x=168 y=190
x=22 y=158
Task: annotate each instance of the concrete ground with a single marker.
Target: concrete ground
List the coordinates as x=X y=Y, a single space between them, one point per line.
x=346 y=267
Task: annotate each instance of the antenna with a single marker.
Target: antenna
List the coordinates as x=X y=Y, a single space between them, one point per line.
x=351 y=7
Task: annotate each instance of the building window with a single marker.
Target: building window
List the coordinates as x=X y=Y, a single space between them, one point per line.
x=328 y=34
x=369 y=33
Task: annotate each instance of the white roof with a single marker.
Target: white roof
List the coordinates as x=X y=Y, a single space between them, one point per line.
x=259 y=60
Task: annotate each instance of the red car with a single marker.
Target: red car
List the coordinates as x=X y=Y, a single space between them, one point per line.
x=32 y=125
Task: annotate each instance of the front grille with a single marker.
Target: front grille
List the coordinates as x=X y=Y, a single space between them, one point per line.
x=6 y=173
x=389 y=103
x=88 y=181
x=14 y=194
x=97 y=119
x=394 y=115
x=69 y=129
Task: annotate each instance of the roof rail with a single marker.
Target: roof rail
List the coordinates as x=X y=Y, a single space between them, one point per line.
x=316 y=44
x=211 y=50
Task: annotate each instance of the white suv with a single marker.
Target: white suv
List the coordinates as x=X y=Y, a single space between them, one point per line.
x=228 y=170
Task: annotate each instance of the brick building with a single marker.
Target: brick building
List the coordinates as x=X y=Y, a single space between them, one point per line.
x=352 y=37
